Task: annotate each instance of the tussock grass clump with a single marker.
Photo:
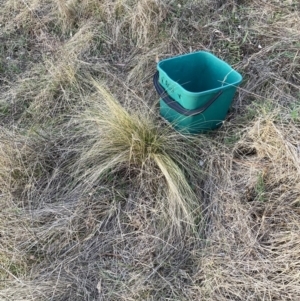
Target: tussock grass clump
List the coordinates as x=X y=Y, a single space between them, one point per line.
x=134 y=145
x=51 y=86
x=61 y=77
x=89 y=230
x=146 y=20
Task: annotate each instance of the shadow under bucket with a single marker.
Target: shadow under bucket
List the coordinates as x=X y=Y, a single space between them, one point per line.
x=196 y=91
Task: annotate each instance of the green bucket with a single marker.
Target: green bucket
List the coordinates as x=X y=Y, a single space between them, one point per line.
x=196 y=91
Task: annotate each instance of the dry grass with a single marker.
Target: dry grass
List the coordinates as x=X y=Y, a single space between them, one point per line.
x=13 y=261
x=134 y=145
x=101 y=199
x=253 y=244
x=49 y=87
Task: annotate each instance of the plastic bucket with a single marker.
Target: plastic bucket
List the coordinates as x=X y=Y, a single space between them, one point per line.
x=196 y=90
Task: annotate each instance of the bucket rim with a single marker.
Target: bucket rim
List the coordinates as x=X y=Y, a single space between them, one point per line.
x=176 y=84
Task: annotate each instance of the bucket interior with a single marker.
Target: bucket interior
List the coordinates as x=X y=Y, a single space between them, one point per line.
x=199 y=72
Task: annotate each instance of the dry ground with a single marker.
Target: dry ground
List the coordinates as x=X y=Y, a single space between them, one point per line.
x=101 y=199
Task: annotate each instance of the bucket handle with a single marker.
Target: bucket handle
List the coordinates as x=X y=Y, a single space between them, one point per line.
x=173 y=104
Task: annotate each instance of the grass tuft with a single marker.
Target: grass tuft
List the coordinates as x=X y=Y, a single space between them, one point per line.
x=135 y=145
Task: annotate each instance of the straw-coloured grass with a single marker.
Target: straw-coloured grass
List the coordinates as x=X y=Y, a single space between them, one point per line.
x=13 y=261
x=50 y=85
x=253 y=240
x=100 y=199
x=114 y=141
